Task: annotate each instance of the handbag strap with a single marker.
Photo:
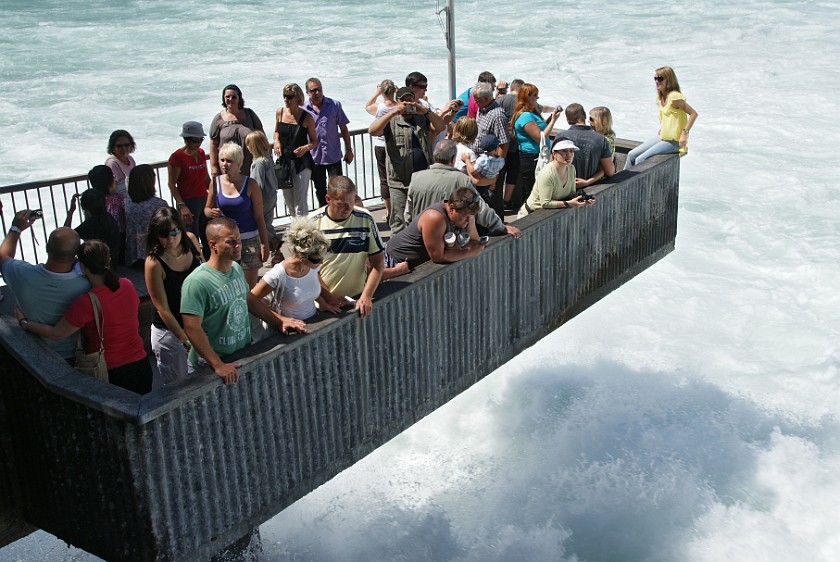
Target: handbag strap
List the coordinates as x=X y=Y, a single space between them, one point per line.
x=97 y=312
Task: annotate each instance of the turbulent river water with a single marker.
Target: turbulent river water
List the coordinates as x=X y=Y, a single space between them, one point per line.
x=692 y=415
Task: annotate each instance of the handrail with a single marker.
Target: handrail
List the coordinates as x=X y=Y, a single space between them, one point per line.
x=56 y=193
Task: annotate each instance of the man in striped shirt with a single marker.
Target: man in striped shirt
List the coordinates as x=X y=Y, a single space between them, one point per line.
x=354 y=238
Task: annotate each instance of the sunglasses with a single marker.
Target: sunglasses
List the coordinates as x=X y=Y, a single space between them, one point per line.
x=171 y=234
x=422 y=86
x=315 y=258
x=313 y=90
x=291 y=96
x=658 y=78
x=123 y=145
x=199 y=140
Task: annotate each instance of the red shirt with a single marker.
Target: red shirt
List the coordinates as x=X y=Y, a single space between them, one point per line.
x=119 y=309
x=193 y=180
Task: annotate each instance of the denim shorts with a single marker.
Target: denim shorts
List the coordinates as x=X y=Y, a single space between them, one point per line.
x=251 y=258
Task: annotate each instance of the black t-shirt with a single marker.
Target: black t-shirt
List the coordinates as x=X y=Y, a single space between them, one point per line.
x=102 y=227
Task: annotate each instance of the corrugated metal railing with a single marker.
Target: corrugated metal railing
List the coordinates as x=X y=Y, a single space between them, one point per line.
x=53 y=196
x=194 y=466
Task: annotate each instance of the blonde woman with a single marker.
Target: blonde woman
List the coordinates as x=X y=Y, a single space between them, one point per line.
x=294 y=281
x=294 y=137
x=386 y=90
x=600 y=119
x=555 y=185
x=239 y=198
x=676 y=118
x=262 y=171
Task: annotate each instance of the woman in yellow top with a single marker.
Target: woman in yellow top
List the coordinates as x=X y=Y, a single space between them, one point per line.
x=676 y=118
x=555 y=185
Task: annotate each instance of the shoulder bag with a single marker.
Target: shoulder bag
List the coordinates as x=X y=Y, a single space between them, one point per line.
x=93 y=364
x=283 y=167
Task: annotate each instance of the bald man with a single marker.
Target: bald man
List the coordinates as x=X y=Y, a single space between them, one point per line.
x=44 y=292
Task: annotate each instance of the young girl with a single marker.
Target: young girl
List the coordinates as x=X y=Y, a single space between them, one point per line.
x=601 y=120
x=262 y=171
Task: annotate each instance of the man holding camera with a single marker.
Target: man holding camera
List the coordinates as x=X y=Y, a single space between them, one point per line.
x=44 y=291
x=409 y=130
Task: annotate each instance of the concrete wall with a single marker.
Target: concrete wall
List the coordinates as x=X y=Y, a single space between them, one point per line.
x=182 y=472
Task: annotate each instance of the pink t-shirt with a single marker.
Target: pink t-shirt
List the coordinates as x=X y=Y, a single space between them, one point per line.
x=119 y=309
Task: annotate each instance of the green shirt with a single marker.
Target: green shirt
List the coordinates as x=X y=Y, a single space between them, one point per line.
x=220 y=300
x=550 y=190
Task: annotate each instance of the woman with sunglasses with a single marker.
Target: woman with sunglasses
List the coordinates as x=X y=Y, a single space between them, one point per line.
x=555 y=187
x=173 y=255
x=293 y=283
x=294 y=137
x=188 y=179
x=120 y=146
x=128 y=366
x=676 y=118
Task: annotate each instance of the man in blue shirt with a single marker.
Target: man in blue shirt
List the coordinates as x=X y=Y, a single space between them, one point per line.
x=44 y=292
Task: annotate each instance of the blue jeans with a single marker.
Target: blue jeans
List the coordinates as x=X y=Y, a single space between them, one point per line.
x=650 y=148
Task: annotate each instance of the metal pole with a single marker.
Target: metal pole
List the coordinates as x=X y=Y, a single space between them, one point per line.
x=450 y=44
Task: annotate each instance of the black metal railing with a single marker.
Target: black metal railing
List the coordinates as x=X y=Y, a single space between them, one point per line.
x=53 y=196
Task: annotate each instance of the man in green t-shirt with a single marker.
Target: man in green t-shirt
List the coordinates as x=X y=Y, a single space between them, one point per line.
x=215 y=302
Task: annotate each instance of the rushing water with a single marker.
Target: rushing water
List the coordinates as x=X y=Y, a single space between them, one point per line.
x=691 y=415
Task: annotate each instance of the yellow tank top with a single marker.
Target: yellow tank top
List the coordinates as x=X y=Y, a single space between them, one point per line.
x=672 y=121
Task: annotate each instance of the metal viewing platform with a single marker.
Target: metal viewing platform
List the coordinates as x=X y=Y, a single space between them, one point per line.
x=190 y=468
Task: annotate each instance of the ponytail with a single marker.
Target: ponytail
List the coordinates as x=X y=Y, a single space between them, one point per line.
x=96 y=257
x=112 y=281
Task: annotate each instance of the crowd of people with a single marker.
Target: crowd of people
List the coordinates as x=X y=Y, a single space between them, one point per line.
x=447 y=176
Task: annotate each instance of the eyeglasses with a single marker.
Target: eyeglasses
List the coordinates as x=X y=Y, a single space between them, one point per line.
x=171 y=234
x=658 y=78
x=291 y=96
x=313 y=90
x=123 y=145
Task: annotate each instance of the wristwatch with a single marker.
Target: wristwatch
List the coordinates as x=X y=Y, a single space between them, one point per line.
x=14 y=228
x=23 y=322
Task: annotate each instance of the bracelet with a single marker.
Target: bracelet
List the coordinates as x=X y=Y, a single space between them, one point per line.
x=181 y=204
x=187 y=345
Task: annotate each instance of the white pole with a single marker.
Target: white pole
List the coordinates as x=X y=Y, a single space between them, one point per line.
x=450 y=44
